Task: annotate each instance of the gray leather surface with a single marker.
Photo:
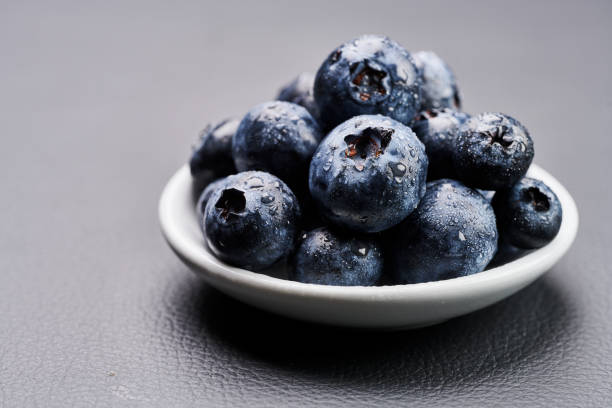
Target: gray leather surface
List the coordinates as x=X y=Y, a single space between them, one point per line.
x=99 y=105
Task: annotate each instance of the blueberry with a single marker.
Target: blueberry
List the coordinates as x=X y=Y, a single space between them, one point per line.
x=529 y=214
x=368 y=174
x=438 y=130
x=369 y=75
x=279 y=138
x=452 y=233
x=212 y=157
x=300 y=91
x=251 y=222
x=203 y=199
x=329 y=258
x=439 y=89
x=493 y=151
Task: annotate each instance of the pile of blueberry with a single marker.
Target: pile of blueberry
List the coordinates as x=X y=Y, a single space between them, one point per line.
x=369 y=173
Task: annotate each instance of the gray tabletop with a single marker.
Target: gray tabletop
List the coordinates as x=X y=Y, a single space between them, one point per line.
x=98 y=107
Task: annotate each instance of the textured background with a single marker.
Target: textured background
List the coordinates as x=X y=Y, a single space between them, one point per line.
x=99 y=105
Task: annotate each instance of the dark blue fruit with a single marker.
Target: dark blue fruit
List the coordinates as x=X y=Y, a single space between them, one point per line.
x=452 y=233
x=438 y=130
x=493 y=151
x=300 y=91
x=368 y=174
x=369 y=75
x=329 y=258
x=252 y=220
x=212 y=157
x=529 y=214
x=279 y=138
x=439 y=88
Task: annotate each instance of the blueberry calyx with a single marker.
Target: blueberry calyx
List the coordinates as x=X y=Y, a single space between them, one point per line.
x=538 y=200
x=369 y=80
x=231 y=203
x=499 y=135
x=371 y=141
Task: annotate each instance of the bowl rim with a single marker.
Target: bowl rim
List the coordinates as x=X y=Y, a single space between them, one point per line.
x=524 y=268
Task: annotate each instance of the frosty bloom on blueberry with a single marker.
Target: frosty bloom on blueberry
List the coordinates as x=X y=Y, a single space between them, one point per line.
x=212 y=157
x=203 y=199
x=493 y=151
x=439 y=88
x=251 y=221
x=334 y=258
x=369 y=75
x=528 y=214
x=300 y=91
x=438 y=130
x=368 y=174
x=452 y=233
x=277 y=137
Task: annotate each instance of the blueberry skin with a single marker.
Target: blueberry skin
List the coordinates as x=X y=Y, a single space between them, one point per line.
x=279 y=138
x=252 y=221
x=203 y=199
x=368 y=75
x=439 y=87
x=529 y=214
x=452 y=233
x=328 y=258
x=368 y=174
x=493 y=151
x=438 y=130
x=212 y=157
x=300 y=91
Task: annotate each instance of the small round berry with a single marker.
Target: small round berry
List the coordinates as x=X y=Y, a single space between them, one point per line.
x=439 y=89
x=252 y=220
x=300 y=91
x=493 y=152
x=368 y=174
x=212 y=157
x=331 y=258
x=279 y=138
x=369 y=75
x=452 y=233
x=438 y=130
x=529 y=214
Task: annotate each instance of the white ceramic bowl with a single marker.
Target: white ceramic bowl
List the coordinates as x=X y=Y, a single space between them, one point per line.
x=379 y=307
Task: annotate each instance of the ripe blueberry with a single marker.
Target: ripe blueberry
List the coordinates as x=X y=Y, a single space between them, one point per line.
x=252 y=220
x=300 y=91
x=439 y=89
x=212 y=157
x=529 y=214
x=369 y=75
x=368 y=174
x=331 y=258
x=493 y=151
x=279 y=138
x=452 y=233
x=438 y=129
